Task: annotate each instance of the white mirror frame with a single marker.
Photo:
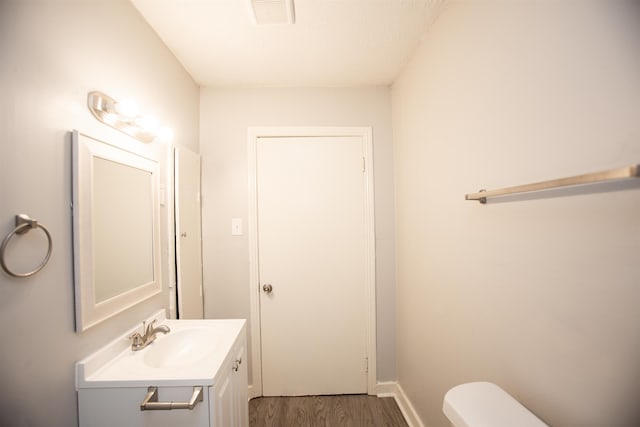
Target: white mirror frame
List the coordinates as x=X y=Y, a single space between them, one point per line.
x=89 y=313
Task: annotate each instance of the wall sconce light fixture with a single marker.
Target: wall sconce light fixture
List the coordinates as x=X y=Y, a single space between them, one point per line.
x=124 y=116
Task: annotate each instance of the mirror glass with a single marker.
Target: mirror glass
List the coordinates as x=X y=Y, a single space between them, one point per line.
x=116 y=224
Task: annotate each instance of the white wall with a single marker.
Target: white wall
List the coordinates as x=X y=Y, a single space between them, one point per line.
x=225 y=116
x=538 y=295
x=52 y=53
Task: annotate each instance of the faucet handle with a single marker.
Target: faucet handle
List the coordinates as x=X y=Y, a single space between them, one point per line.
x=136 y=340
x=149 y=328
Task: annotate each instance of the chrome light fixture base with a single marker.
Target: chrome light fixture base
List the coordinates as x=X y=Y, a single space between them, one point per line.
x=104 y=108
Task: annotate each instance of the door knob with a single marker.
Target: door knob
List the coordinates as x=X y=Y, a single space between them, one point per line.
x=267 y=288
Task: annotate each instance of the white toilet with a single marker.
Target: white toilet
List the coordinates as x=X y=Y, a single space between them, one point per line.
x=483 y=404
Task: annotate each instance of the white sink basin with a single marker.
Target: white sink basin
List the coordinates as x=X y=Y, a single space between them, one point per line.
x=178 y=348
x=190 y=354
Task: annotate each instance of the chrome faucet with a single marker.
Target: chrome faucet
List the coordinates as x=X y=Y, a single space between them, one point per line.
x=149 y=332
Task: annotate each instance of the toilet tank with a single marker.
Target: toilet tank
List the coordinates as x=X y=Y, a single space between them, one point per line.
x=484 y=404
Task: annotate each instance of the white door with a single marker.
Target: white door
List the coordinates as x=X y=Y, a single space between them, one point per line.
x=188 y=234
x=312 y=256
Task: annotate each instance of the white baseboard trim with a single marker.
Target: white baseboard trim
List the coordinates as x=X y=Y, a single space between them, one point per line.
x=386 y=389
x=393 y=389
x=253 y=392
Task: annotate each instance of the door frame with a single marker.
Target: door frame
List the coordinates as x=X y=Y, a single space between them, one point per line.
x=254 y=133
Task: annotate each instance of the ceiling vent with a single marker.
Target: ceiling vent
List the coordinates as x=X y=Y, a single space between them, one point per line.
x=272 y=11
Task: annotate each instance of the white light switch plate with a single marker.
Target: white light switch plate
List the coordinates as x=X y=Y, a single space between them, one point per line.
x=236 y=226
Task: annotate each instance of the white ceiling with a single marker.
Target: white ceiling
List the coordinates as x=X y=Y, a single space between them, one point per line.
x=332 y=43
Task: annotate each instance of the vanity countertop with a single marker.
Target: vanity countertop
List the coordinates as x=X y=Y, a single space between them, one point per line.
x=190 y=354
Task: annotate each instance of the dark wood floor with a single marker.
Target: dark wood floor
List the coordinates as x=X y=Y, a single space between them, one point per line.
x=326 y=411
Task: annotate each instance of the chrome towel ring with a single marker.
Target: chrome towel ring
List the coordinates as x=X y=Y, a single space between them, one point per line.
x=24 y=223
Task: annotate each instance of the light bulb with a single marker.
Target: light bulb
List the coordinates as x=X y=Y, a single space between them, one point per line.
x=127 y=108
x=110 y=118
x=148 y=123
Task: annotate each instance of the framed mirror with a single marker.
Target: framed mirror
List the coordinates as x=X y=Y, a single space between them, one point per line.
x=116 y=225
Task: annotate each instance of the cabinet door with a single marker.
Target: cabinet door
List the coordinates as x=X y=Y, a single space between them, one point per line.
x=222 y=395
x=240 y=387
x=229 y=396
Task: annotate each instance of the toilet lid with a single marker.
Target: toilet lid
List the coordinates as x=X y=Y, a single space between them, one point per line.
x=484 y=404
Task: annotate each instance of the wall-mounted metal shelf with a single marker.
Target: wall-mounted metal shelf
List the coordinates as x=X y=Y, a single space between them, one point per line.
x=632 y=171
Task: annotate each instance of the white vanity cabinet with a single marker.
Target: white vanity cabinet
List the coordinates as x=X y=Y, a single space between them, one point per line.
x=112 y=383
